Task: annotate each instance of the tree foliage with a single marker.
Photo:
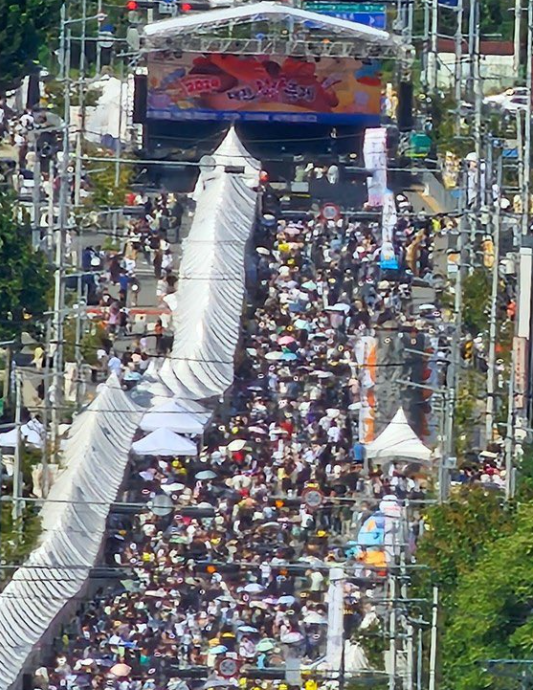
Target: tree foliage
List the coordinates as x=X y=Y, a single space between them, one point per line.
x=476 y=295
x=24 y=276
x=493 y=615
x=458 y=534
x=481 y=555
x=24 y=25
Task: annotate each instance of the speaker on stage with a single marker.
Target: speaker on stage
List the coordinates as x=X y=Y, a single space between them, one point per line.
x=140 y=99
x=405 y=107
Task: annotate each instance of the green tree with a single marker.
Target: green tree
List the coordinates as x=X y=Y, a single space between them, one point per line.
x=25 y=277
x=492 y=616
x=458 y=534
x=476 y=295
x=24 y=26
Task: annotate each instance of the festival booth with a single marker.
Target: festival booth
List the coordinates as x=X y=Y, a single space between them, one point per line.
x=208 y=306
x=73 y=525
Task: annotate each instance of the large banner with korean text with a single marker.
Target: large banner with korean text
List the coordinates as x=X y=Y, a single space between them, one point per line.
x=199 y=86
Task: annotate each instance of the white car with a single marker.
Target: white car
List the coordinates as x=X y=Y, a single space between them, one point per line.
x=511 y=100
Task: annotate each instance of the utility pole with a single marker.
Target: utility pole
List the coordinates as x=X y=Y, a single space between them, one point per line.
x=509 y=434
x=81 y=111
x=36 y=196
x=392 y=630
x=409 y=628
x=459 y=63
x=491 y=373
x=17 y=468
x=80 y=318
x=425 y=53
x=433 y=644
x=472 y=23
x=434 y=65
x=64 y=193
x=478 y=137
x=517 y=34
x=527 y=123
x=46 y=406
x=452 y=374
x=98 y=46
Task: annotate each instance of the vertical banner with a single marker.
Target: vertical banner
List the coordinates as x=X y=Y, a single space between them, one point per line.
x=520 y=372
x=335 y=636
x=365 y=355
x=389 y=217
x=375 y=160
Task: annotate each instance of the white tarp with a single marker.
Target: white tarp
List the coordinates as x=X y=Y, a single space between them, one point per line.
x=96 y=455
x=210 y=291
x=109 y=118
x=398 y=440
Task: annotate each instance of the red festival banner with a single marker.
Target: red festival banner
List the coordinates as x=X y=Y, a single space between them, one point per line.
x=229 y=87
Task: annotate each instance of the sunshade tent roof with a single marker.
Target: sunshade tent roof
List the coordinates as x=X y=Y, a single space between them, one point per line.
x=398 y=440
x=172 y=416
x=164 y=442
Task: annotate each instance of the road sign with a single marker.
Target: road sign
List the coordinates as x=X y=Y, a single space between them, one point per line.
x=161 y=505
x=167 y=7
x=228 y=667
x=105 y=39
x=313 y=498
x=330 y=212
x=372 y=14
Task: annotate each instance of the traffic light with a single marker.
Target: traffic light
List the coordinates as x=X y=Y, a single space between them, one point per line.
x=467 y=350
x=211 y=567
x=284 y=502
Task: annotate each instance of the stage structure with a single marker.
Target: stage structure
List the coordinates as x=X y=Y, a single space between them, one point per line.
x=266 y=62
x=269 y=28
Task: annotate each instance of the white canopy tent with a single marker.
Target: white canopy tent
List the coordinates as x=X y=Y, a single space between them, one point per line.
x=210 y=291
x=170 y=415
x=398 y=440
x=165 y=442
x=27 y=435
x=96 y=456
x=153 y=391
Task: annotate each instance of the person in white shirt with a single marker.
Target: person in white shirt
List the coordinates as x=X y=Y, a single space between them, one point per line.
x=114 y=365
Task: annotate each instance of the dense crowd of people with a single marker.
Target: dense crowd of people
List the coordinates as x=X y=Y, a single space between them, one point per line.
x=239 y=569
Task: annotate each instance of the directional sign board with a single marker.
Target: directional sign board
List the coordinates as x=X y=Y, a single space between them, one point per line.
x=167 y=7
x=373 y=15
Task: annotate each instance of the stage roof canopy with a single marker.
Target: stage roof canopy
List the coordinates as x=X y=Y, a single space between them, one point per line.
x=269 y=28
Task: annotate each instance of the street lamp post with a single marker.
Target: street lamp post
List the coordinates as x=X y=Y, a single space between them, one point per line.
x=59 y=294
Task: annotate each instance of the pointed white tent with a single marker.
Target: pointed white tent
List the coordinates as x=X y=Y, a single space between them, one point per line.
x=209 y=298
x=398 y=440
x=164 y=442
x=171 y=416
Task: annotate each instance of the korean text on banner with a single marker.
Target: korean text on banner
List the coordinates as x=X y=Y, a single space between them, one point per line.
x=200 y=86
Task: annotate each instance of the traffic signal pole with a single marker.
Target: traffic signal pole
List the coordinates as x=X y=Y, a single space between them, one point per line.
x=491 y=371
